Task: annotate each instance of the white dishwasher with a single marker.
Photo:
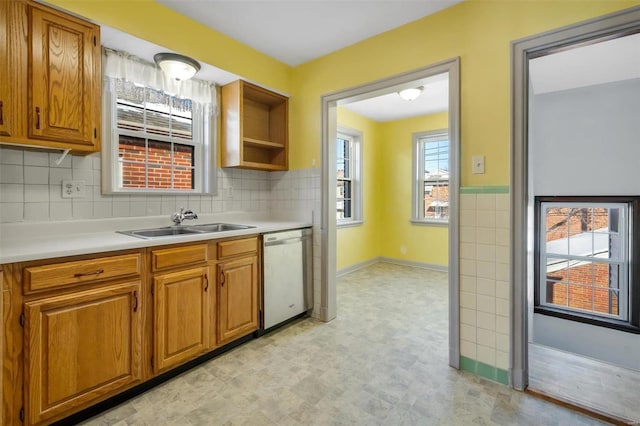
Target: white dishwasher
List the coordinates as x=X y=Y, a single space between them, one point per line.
x=287 y=275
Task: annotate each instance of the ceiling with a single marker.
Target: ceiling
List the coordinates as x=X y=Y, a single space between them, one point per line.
x=118 y=40
x=297 y=31
x=597 y=63
x=389 y=107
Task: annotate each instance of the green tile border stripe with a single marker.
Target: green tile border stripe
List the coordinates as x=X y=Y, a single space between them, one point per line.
x=484 y=189
x=484 y=370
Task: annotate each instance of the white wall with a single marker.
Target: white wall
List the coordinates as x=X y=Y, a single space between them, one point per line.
x=586 y=141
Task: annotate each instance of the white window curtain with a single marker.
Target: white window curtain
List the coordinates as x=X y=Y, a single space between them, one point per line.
x=121 y=65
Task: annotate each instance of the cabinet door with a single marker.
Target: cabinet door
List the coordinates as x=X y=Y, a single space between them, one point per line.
x=182 y=322
x=238 y=298
x=64 y=86
x=5 y=130
x=13 y=68
x=80 y=347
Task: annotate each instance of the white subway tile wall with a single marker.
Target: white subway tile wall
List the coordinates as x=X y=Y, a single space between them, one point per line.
x=31 y=190
x=484 y=276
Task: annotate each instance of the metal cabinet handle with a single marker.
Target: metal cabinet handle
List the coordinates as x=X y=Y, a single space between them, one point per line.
x=1 y=114
x=86 y=274
x=221 y=277
x=206 y=280
x=37 y=117
x=135 y=298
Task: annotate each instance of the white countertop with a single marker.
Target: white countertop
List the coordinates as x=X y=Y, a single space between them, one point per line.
x=43 y=240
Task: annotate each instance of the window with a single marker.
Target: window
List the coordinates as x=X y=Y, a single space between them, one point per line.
x=431 y=177
x=156 y=144
x=348 y=177
x=584 y=247
x=155 y=140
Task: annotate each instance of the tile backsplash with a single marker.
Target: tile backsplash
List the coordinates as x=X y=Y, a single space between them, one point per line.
x=31 y=190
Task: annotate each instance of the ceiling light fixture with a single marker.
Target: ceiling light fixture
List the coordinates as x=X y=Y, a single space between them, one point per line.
x=410 y=94
x=177 y=66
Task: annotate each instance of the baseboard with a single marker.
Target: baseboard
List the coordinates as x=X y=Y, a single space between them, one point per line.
x=401 y=262
x=415 y=264
x=356 y=266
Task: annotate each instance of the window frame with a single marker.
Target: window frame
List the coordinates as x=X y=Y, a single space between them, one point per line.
x=418 y=181
x=355 y=137
x=203 y=142
x=630 y=321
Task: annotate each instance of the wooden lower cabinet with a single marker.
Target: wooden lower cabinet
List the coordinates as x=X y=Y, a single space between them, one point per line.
x=80 y=347
x=79 y=330
x=238 y=298
x=182 y=320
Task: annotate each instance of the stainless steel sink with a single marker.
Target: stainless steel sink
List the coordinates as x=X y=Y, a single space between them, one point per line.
x=170 y=231
x=217 y=227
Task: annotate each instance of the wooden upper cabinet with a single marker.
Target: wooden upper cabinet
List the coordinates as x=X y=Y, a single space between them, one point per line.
x=80 y=347
x=255 y=131
x=4 y=69
x=13 y=68
x=53 y=61
x=64 y=98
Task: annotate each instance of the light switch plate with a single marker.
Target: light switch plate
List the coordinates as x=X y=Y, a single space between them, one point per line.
x=478 y=164
x=73 y=189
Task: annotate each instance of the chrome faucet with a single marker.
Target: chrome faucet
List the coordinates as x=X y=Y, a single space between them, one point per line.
x=178 y=217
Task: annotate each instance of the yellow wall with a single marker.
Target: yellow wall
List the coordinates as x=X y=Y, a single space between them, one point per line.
x=387 y=231
x=402 y=239
x=479 y=32
x=360 y=243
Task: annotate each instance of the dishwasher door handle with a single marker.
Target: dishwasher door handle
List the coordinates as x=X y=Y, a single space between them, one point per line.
x=268 y=243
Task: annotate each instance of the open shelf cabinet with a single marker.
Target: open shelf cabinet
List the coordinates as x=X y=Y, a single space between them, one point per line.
x=255 y=132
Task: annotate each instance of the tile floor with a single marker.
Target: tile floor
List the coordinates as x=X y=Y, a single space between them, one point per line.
x=383 y=361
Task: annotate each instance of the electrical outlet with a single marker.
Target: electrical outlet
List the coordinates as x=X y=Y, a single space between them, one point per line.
x=73 y=189
x=478 y=164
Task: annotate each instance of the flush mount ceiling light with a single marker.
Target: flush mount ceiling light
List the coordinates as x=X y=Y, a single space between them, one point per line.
x=177 y=66
x=410 y=94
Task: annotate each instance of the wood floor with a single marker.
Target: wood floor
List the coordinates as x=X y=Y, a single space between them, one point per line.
x=603 y=387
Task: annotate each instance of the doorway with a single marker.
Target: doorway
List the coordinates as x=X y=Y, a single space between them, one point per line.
x=330 y=102
x=575 y=324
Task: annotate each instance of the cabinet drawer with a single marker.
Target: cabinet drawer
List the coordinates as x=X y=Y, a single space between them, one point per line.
x=171 y=257
x=237 y=247
x=39 y=278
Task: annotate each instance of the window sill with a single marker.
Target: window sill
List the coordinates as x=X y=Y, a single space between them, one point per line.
x=349 y=223
x=438 y=223
x=152 y=192
x=587 y=319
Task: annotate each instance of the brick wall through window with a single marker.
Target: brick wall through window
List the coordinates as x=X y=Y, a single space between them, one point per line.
x=132 y=152
x=579 y=284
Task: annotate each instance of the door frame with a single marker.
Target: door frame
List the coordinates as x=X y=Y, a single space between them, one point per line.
x=330 y=101
x=521 y=212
